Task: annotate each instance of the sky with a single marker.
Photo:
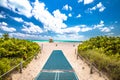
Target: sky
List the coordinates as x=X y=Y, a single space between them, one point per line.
x=59 y=19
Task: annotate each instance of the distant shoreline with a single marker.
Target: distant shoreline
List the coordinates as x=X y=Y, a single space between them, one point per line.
x=56 y=41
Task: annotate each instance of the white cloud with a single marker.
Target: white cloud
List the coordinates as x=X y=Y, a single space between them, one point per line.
x=29 y=36
x=75 y=29
x=59 y=15
x=69 y=37
x=101 y=9
x=110 y=34
x=111 y=27
x=18 y=19
x=67 y=7
x=3 y=3
x=70 y=15
x=84 y=28
x=22 y=7
x=101 y=27
x=105 y=29
x=99 y=6
x=2 y=16
x=93 y=8
x=101 y=22
x=31 y=28
x=79 y=1
x=78 y=16
x=50 y=22
x=88 y=1
x=85 y=1
x=70 y=30
x=70 y=8
x=3 y=26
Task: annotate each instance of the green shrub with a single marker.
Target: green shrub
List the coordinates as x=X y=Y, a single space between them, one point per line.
x=104 y=53
x=13 y=51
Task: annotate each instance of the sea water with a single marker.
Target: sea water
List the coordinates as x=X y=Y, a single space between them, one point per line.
x=56 y=41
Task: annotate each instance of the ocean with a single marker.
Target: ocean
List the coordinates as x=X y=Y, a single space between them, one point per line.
x=55 y=41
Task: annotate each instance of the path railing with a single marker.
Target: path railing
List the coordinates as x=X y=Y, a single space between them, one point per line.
x=91 y=65
x=18 y=67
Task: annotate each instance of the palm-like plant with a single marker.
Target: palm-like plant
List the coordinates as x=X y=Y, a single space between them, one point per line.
x=5 y=36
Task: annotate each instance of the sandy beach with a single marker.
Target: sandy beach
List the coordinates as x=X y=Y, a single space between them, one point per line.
x=80 y=67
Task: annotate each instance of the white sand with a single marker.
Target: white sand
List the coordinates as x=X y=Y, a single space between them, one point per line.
x=35 y=66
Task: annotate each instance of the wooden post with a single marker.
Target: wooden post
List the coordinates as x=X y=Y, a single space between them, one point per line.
x=56 y=45
x=100 y=74
x=73 y=45
x=91 y=69
x=77 y=55
x=21 y=67
x=75 y=51
x=35 y=56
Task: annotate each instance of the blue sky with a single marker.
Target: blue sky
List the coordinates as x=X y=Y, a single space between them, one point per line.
x=59 y=19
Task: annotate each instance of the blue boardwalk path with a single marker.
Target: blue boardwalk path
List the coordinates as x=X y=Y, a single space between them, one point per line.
x=57 y=67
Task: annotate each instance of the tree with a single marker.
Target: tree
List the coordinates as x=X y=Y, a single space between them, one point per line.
x=5 y=36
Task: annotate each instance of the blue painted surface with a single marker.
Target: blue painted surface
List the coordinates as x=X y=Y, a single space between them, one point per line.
x=57 y=61
x=57 y=67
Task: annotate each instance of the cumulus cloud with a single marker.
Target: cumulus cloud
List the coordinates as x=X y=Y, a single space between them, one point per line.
x=29 y=36
x=78 y=16
x=2 y=16
x=84 y=28
x=70 y=8
x=58 y=15
x=51 y=22
x=99 y=6
x=46 y=37
x=69 y=37
x=4 y=27
x=110 y=34
x=70 y=15
x=101 y=27
x=79 y=1
x=105 y=29
x=85 y=1
x=70 y=30
x=22 y=7
x=3 y=3
x=18 y=19
x=31 y=28
x=67 y=7
x=75 y=29
x=88 y=1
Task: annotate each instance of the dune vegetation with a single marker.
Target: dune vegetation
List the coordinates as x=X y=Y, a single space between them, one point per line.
x=13 y=51
x=104 y=53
